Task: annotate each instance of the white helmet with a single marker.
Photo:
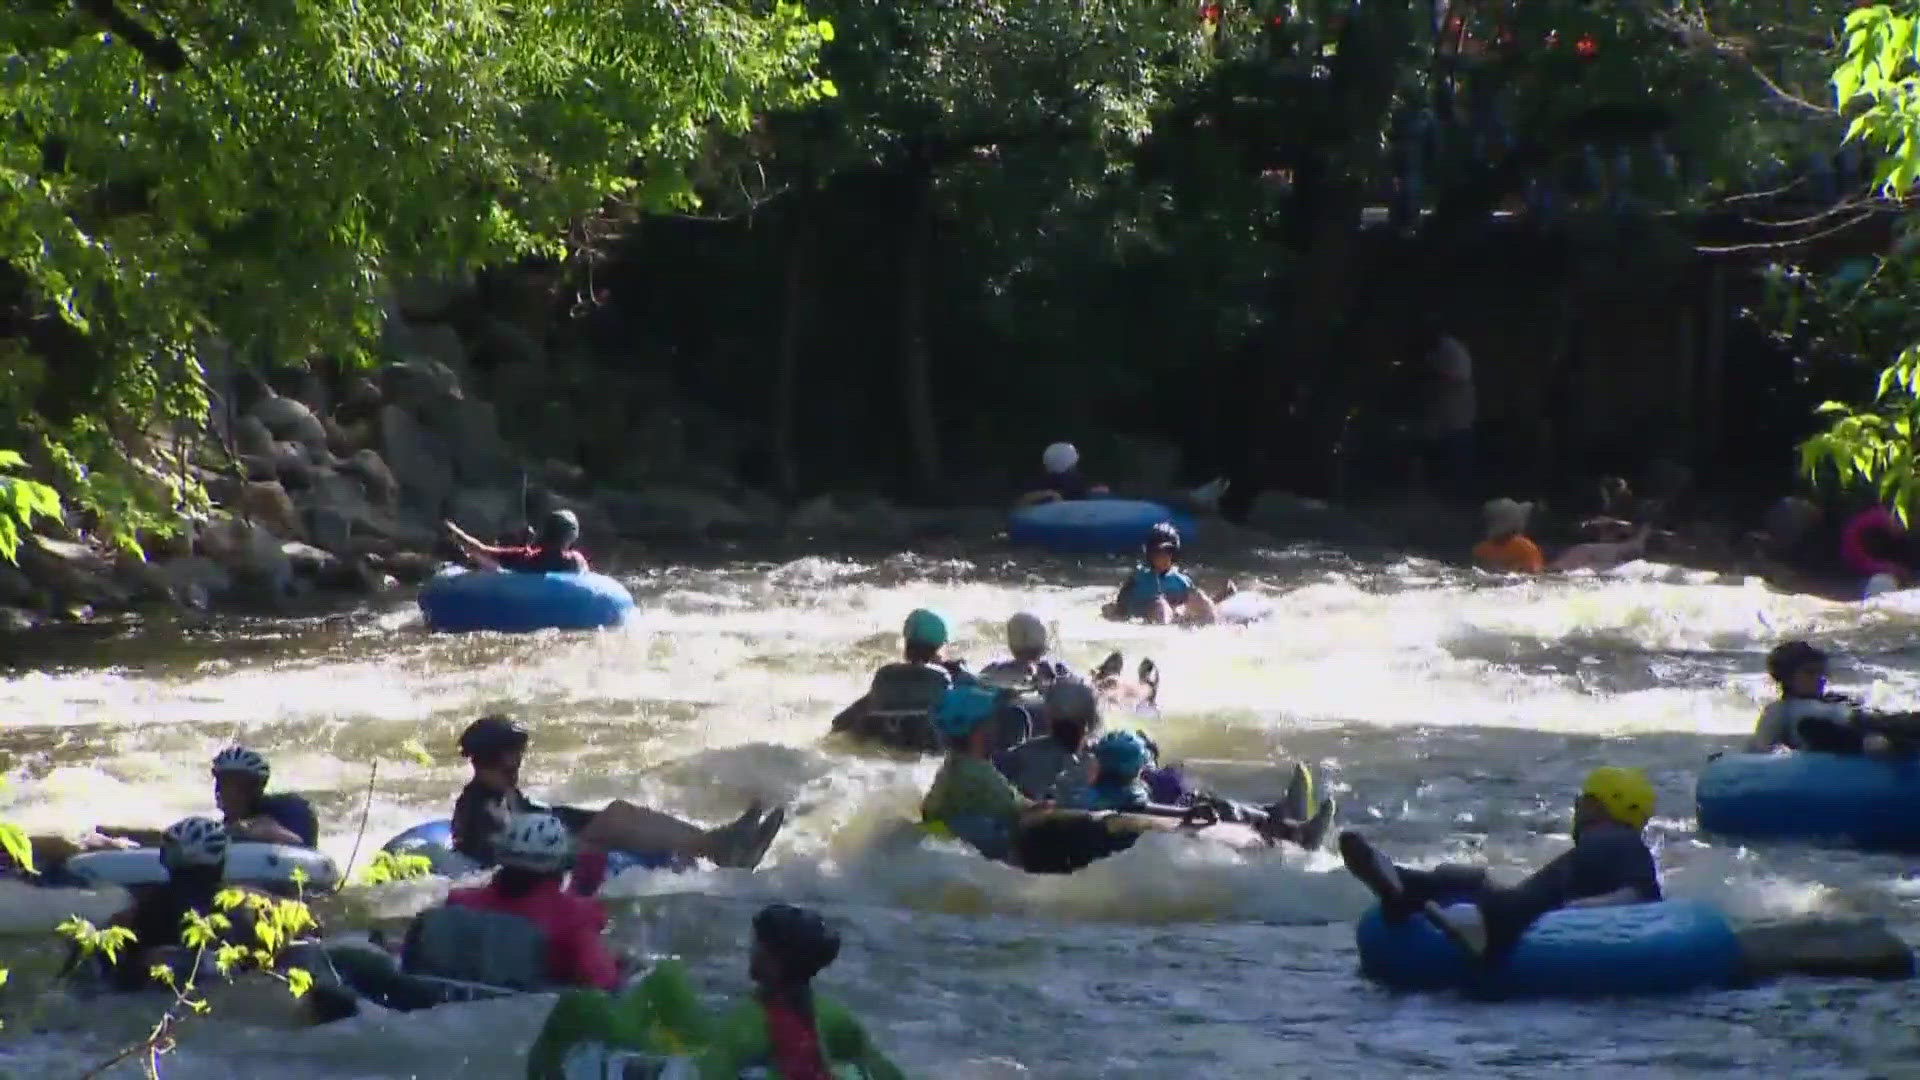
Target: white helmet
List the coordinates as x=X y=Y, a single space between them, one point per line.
x=194 y=841
x=239 y=759
x=535 y=842
x=1060 y=457
x=1026 y=632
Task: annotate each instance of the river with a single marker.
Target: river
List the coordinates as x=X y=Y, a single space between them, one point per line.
x=1451 y=714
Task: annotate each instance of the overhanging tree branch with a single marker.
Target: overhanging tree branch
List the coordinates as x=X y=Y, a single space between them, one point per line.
x=163 y=53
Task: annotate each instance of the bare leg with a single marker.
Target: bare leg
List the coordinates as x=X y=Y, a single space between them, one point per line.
x=1162 y=612
x=1198 y=609
x=623 y=826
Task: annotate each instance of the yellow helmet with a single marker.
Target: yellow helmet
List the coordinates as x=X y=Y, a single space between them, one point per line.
x=1626 y=794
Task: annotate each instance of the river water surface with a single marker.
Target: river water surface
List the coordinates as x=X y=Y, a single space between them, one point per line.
x=1451 y=714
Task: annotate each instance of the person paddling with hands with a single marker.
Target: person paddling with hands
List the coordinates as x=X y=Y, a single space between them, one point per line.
x=552 y=552
x=1610 y=864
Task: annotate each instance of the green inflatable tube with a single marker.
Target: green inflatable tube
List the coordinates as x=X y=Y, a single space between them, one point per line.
x=661 y=1020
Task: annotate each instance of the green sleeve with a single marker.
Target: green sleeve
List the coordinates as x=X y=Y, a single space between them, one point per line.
x=740 y=1041
x=844 y=1040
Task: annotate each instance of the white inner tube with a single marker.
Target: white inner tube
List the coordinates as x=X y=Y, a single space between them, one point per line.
x=247 y=864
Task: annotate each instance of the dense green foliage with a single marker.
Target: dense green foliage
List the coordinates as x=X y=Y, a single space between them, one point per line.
x=256 y=171
x=1105 y=215
x=1871 y=444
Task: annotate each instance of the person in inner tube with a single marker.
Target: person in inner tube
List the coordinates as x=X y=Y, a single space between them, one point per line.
x=1808 y=717
x=1609 y=864
x=1027 y=667
x=915 y=682
x=534 y=853
x=250 y=814
x=194 y=853
x=1121 y=758
x=969 y=798
x=1159 y=591
x=786 y=1027
x=497 y=745
x=1063 y=481
x=552 y=551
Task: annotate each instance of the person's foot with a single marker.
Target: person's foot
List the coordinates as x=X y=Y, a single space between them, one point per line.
x=733 y=834
x=745 y=848
x=1376 y=872
x=1297 y=804
x=1313 y=832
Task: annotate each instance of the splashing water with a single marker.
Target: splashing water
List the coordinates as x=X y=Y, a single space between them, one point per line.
x=1452 y=715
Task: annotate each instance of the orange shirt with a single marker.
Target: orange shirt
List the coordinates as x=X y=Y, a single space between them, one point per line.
x=1515 y=554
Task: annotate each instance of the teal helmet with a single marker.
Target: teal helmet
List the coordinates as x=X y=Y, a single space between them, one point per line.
x=925 y=628
x=963 y=708
x=1121 y=753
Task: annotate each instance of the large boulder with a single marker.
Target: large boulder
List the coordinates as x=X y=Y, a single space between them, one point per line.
x=479 y=453
x=252 y=437
x=678 y=512
x=73 y=572
x=251 y=554
x=290 y=421
x=419 y=385
x=434 y=343
x=485 y=512
x=263 y=501
x=418 y=458
x=195 y=581
x=371 y=470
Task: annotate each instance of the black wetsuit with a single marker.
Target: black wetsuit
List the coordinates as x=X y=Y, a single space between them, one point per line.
x=481 y=812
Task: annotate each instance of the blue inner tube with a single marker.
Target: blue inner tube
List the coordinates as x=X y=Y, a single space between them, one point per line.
x=460 y=601
x=1669 y=947
x=1092 y=526
x=1866 y=801
x=434 y=839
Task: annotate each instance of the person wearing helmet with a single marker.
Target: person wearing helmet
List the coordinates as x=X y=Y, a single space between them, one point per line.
x=787 y=1028
x=1159 y=591
x=1062 y=480
x=1122 y=758
x=1609 y=864
x=194 y=853
x=240 y=791
x=1808 y=717
x=496 y=745
x=1028 y=666
x=251 y=815
x=552 y=551
x=899 y=699
x=1055 y=765
x=534 y=851
x=969 y=797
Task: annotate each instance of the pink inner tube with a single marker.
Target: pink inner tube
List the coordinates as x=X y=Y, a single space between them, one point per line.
x=1853 y=551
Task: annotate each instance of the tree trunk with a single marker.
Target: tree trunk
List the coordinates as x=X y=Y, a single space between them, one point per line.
x=787 y=358
x=916 y=366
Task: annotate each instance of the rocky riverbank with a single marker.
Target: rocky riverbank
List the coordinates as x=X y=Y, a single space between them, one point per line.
x=327 y=486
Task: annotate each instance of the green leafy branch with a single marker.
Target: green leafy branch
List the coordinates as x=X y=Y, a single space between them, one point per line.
x=21 y=501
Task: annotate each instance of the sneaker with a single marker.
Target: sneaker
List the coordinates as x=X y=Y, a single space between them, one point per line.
x=1297 y=805
x=744 y=850
x=1376 y=872
x=1314 y=832
x=729 y=837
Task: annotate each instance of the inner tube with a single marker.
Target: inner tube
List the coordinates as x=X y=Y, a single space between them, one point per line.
x=1669 y=947
x=1092 y=526
x=460 y=601
x=433 y=840
x=265 y=866
x=1063 y=841
x=371 y=974
x=1868 y=802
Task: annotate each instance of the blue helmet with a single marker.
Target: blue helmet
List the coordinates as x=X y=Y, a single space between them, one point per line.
x=963 y=708
x=1121 y=753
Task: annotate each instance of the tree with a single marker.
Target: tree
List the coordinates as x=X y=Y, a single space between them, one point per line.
x=1871 y=445
x=259 y=171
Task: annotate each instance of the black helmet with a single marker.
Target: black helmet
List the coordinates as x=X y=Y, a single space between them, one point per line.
x=561 y=527
x=1162 y=537
x=1789 y=657
x=492 y=735
x=801 y=940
